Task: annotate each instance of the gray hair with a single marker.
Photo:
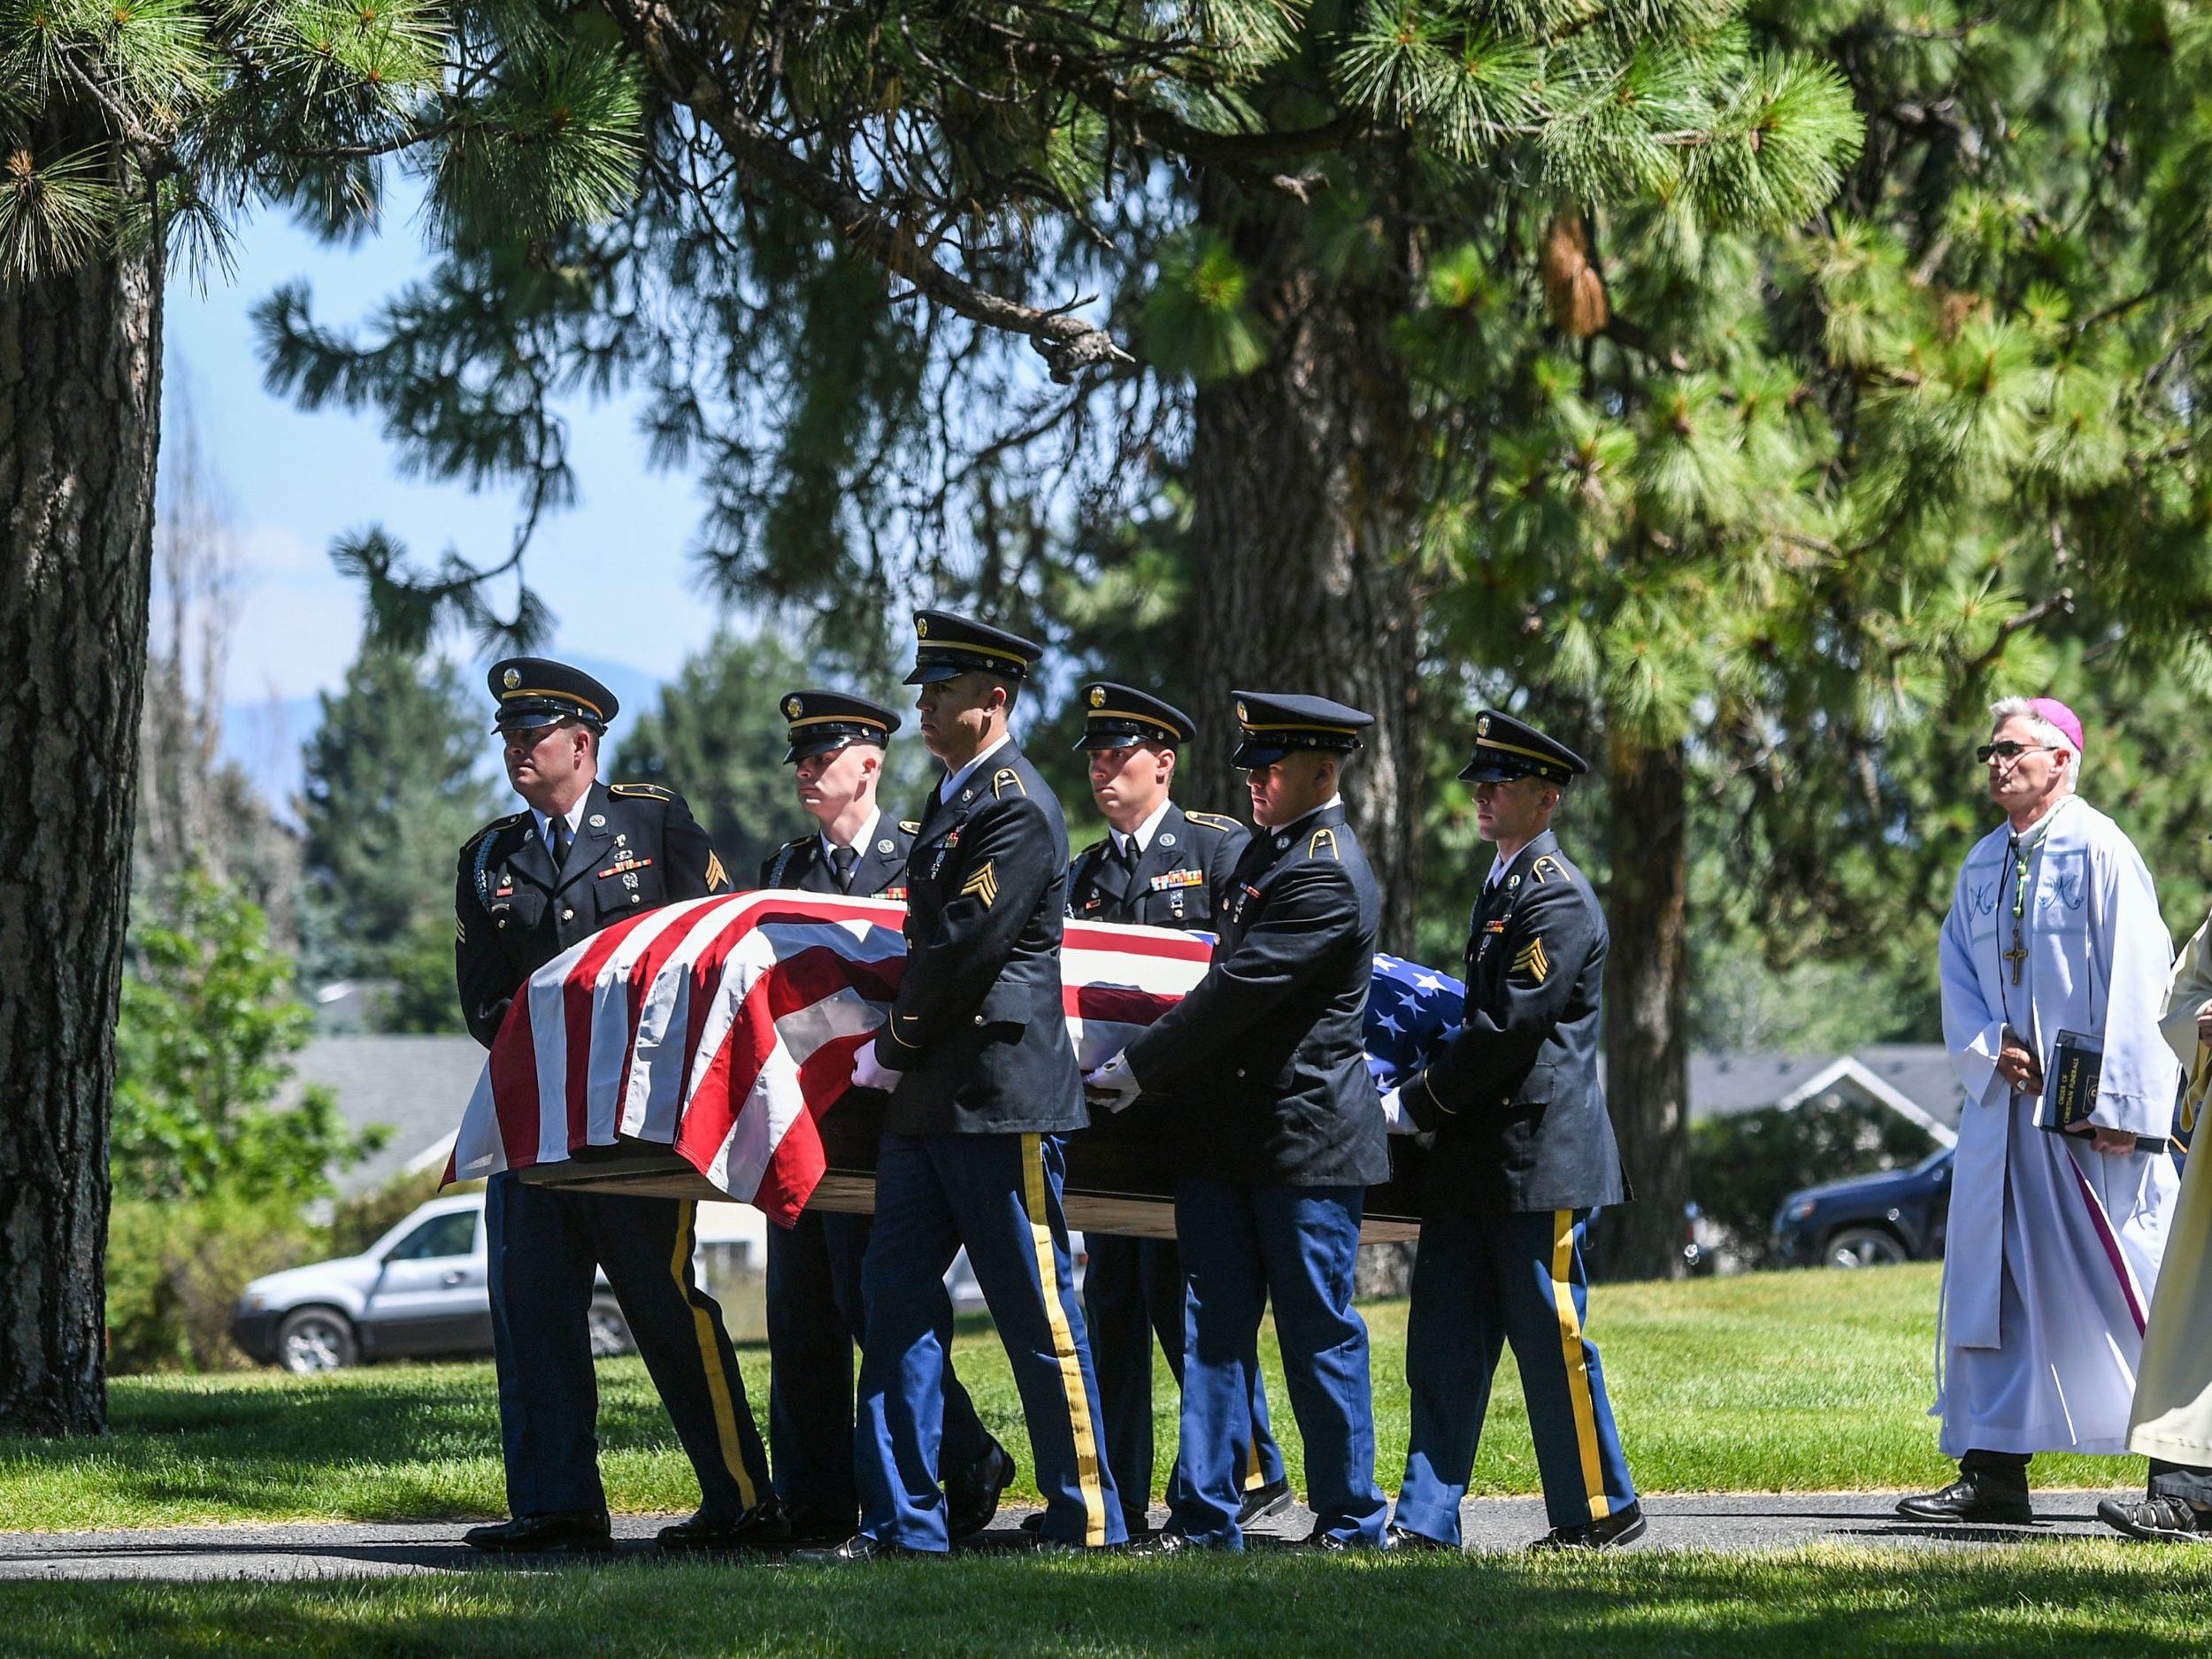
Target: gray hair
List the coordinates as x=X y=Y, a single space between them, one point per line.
x=2020 y=709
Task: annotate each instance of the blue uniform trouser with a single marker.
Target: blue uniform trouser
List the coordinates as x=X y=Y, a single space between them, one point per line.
x=1478 y=1284
x=816 y=1313
x=1133 y=1290
x=1243 y=1245
x=998 y=1195
x=543 y=1245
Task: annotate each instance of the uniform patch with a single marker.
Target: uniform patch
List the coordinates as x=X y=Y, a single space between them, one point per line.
x=717 y=876
x=1212 y=820
x=1179 y=878
x=1532 y=961
x=1547 y=867
x=983 y=884
x=912 y=827
x=644 y=791
x=893 y=893
x=1005 y=776
x=620 y=865
x=460 y=930
x=1323 y=837
x=1497 y=926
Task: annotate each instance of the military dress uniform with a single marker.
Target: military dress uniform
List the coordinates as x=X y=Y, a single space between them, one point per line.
x=1276 y=1165
x=1133 y=1288
x=971 y=1146
x=816 y=1310
x=1524 y=1157
x=631 y=848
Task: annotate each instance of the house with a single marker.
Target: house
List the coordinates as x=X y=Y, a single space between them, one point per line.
x=1913 y=1079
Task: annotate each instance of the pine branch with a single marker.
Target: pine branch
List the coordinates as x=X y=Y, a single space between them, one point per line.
x=2059 y=604
x=1068 y=344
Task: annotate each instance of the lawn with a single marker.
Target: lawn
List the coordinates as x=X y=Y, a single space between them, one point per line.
x=2013 y=1601
x=1808 y=1381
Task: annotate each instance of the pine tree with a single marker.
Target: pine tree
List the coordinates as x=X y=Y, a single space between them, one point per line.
x=394 y=782
x=129 y=136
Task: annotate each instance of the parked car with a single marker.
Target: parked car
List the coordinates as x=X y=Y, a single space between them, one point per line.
x=419 y=1290
x=1869 y=1220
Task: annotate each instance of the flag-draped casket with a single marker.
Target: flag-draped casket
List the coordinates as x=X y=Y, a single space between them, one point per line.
x=702 y=1050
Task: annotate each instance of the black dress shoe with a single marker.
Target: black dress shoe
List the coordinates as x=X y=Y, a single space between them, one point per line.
x=563 y=1529
x=1615 y=1531
x=764 y=1526
x=1259 y=1502
x=1971 y=1499
x=2166 y=1520
x=1329 y=1543
x=1406 y=1538
x=1167 y=1541
x=971 y=1495
x=859 y=1548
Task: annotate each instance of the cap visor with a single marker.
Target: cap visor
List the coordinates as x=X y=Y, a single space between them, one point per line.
x=933 y=673
x=1109 y=739
x=1476 y=772
x=1251 y=755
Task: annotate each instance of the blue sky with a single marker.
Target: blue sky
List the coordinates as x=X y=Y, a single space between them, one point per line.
x=612 y=567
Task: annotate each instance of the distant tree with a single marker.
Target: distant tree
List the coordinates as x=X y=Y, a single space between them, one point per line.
x=393 y=786
x=716 y=738
x=197 y=811
x=209 y=1024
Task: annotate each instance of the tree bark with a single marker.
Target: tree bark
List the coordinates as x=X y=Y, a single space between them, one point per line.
x=1303 y=477
x=80 y=421
x=1647 y=1008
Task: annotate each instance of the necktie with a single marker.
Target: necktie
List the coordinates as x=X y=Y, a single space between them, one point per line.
x=559 y=827
x=844 y=858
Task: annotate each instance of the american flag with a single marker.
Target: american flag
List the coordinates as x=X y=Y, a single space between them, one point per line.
x=722 y=1028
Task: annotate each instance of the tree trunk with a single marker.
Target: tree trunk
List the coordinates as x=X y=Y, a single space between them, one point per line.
x=1647 y=1008
x=79 y=420
x=1303 y=477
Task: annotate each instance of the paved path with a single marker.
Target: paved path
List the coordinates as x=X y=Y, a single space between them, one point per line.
x=1729 y=1521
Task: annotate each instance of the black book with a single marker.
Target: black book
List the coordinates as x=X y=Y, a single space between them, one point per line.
x=2071 y=1090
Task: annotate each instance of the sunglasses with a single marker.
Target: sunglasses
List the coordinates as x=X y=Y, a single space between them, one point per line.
x=2010 y=750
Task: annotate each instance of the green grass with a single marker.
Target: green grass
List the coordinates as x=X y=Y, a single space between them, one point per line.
x=2013 y=1601
x=1809 y=1381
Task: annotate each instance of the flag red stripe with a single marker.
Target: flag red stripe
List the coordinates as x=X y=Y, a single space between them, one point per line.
x=515 y=1083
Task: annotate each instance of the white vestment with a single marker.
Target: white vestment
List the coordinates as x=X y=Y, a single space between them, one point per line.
x=2053 y=1248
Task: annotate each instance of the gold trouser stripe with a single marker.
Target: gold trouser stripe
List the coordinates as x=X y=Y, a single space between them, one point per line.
x=1563 y=1296
x=1064 y=1341
x=710 y=1356
x=1252 y=1461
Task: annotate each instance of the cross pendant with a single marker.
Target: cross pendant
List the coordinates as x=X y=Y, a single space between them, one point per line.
x=2017 y=955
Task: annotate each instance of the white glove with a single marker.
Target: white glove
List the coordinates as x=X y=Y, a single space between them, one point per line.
x=869 y=1073
x=1112 y=1086
x=1395 y=1117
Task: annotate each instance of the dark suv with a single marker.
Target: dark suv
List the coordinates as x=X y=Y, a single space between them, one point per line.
x=1869 y=1220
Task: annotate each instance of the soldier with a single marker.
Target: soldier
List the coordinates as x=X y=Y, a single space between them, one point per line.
x=1160 y=866
x=1277 y=1164
x=815 y=1306
x=1524 y=1157
x=584 y=856
x=983 y=1085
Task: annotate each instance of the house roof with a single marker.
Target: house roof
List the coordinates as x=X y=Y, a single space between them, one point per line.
x=1914 y=1079
x=416 y=1085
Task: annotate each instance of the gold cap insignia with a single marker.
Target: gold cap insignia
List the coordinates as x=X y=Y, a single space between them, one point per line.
x=1482 y=726
x=1242 y=719
x=1098 y=697
x=793 y=707
x=921 y=627
x=511 y=679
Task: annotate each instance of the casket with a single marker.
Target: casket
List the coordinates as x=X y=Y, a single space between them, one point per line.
x=1120 y=1174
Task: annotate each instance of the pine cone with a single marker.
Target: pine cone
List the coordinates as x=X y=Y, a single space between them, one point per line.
x=1574 y=293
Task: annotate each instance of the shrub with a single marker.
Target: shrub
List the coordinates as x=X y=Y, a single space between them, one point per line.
x=174 y=1269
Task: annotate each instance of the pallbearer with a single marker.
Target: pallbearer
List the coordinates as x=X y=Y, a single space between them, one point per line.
x=815 y=1306
x=584 y=856
x=1160 y=866
x=1284 y=1136
x=1524 y=1157
x=983 y=1085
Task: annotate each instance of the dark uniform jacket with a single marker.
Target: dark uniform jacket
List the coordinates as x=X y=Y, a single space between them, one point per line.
x=1265 y=1051
x=880 y=873
x=636 y=846
x=1519 y=1117
x=1181 y=879
x=979 y=1027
